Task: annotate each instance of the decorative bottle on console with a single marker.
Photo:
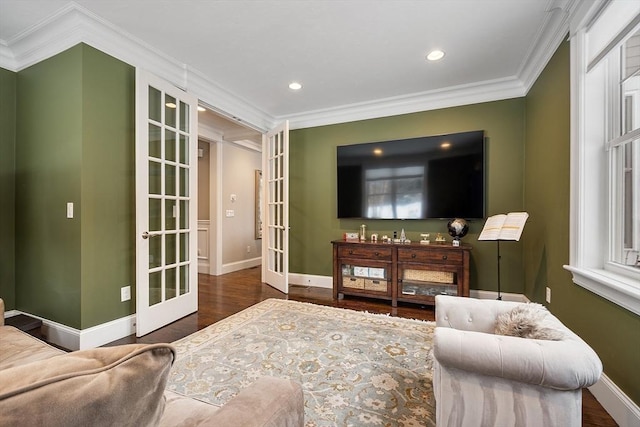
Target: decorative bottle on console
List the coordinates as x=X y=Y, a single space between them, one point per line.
x=363 y=233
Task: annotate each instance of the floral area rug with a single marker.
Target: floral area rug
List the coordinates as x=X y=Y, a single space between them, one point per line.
x=356 y=369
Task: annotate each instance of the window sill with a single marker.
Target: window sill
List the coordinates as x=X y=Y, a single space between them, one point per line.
x=620 y=290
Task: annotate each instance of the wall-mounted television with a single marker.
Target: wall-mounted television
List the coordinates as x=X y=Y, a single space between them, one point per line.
x=430 y=177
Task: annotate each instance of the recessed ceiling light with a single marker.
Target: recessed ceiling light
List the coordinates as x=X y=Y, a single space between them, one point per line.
x=295 y=86
x=201 y=109
x=377 y=151
x=445 y=145
x=435 y=55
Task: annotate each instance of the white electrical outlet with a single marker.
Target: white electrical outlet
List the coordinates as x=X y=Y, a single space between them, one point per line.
x=548 y=296
x=248 y=249
x=125 y=293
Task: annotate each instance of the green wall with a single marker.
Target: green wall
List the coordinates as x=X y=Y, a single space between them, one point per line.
x=75 y=138
x=48 y=152
x=108 y=187
x=313 y=186
x=612 y=331
x=7 y=186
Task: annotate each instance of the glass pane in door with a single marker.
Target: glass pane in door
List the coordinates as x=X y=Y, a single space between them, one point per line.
x=155 y=141
x=155 y=252
x=170 y=145
x=155 y=178
x=155 y=287
x=184 y=149
x=184 y=279
x=170 y=252
x=170 y=180
x=184 y=214
x=170 y=111
x=184 y=182
x=184 y=117
x=170 y=214
x=155 y=104
x=170 y=283
x=155 y=214
x=184 y=247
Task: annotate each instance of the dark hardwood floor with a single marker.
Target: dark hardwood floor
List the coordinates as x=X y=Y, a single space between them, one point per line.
x=222 y=296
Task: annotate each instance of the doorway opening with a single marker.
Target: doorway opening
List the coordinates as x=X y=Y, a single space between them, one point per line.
x=229 y=154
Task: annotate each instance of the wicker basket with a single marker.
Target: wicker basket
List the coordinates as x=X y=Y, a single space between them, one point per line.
x=353 y=282
x=429 y=276
x=375 y=285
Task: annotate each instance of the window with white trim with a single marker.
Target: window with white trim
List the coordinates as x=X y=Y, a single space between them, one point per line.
x=605 y=152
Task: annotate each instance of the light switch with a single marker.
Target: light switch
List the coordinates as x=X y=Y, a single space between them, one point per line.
x=125 y=293
x=231 y=213
x=70 y=210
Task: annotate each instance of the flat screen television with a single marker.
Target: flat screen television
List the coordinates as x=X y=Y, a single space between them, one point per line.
x=430 y=177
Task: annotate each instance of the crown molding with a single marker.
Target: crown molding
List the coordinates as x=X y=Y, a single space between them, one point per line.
x=551 y=33
x=6 y=57
x=475 y=93
x=554 y=30
x=74 y=24
x=226 y=103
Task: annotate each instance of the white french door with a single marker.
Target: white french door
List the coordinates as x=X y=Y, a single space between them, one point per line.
x=275 y=233
x=166 y=195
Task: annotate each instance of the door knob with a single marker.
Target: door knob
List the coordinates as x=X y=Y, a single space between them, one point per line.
x=147 y=235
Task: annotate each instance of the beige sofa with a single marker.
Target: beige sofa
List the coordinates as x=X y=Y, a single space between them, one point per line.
x=481 y=378
x=125 y=385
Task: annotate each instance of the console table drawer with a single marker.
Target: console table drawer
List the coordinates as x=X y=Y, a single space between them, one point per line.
x=355 y=251
x=436 y=256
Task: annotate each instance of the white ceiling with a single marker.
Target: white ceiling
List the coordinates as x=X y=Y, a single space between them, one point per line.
x=350 y=55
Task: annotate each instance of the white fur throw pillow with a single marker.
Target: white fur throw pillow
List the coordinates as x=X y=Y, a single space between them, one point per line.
x=526 y=321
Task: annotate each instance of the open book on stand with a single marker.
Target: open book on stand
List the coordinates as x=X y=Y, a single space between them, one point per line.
x=504 y=227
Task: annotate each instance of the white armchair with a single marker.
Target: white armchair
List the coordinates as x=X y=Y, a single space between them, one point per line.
x=483 y=379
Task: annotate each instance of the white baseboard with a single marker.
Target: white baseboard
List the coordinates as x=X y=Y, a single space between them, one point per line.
x=241 y=265
x=107 y=332
x=311 y=280
x=621 y=408
x=327 y=282
x=76 y=339
x=203 y=266
x=60 y=335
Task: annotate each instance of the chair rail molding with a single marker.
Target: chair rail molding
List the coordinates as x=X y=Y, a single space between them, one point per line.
x=204 y=258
